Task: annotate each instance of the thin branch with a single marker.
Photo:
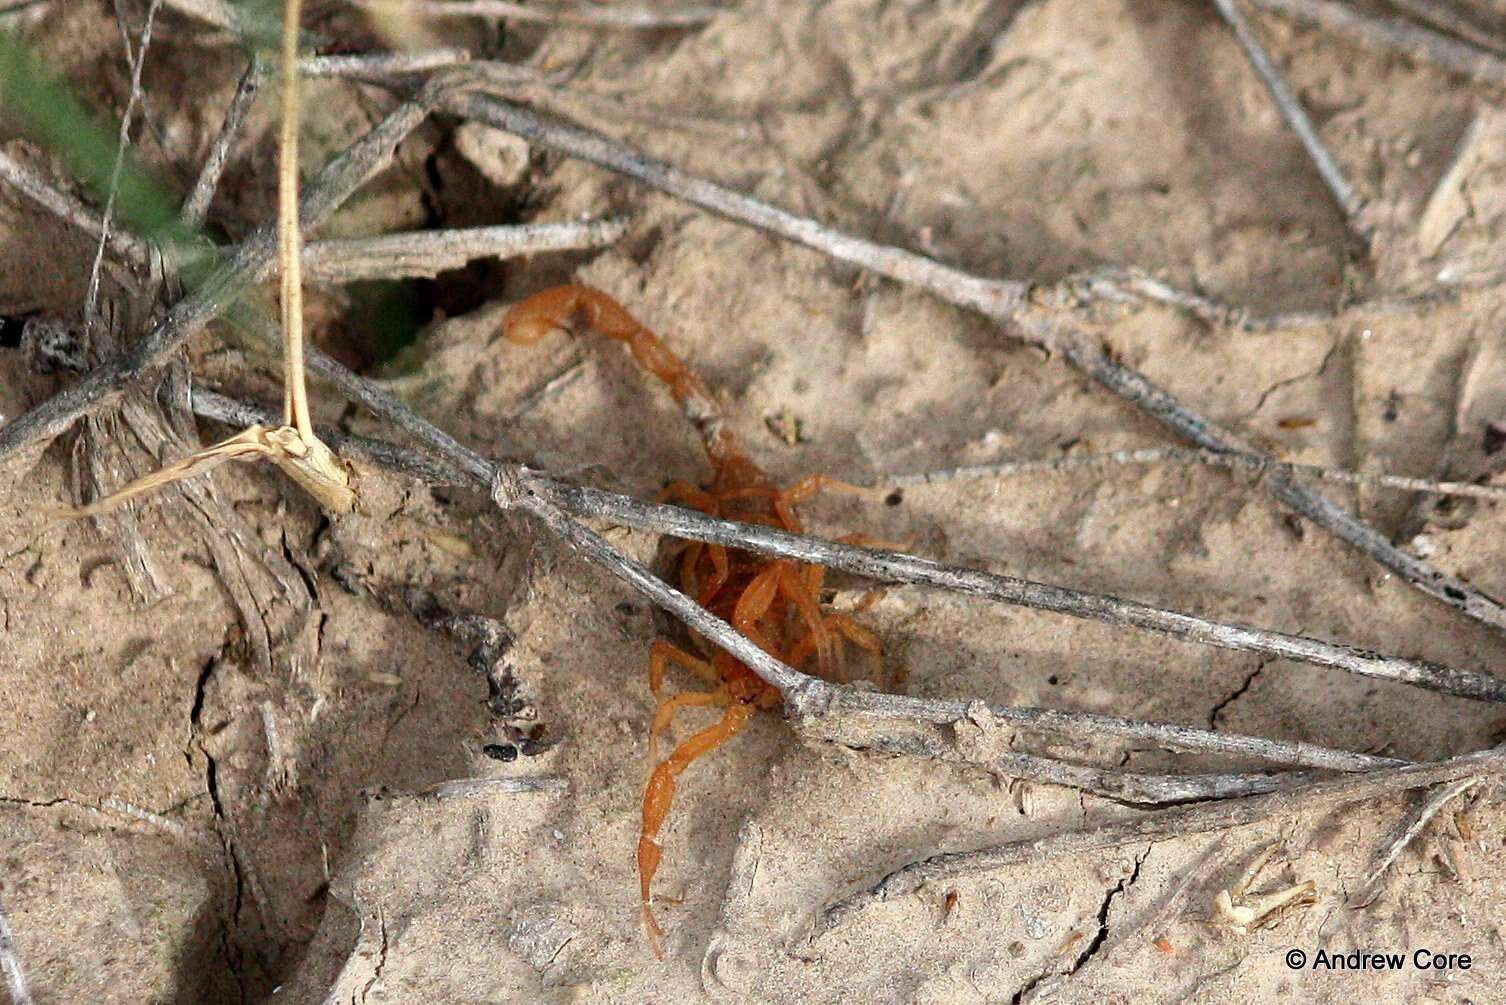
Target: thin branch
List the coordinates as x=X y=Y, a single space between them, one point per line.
x=1122 y=285
x=251 y=263
x=196 y=208
x=34 y=186
x=801 y=693
x=997 y=298
x=1407 y=833
x=388 y=256
x=360 y=971
x=870 y=713
x=1296 y=116
x=1159 y=404
x=122 y=143
x=148 y=119
x=1162 y=825
x=470 y=788
x=1188 y=455
x=382 y=65
x=1447 y=17
x=10 y=963
x=574 y=15
x=1008 y=302
x=452 y=454
x=895 y=567
x=945 y=744
x=863 y=711
x=1117 y=284
x=377 y=453
x=1395 y=35
x=427 y=253
x=111 y=804
x=553 y=499
x=1138 y=789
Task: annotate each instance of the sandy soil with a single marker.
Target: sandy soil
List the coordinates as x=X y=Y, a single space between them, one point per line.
x=198 y=808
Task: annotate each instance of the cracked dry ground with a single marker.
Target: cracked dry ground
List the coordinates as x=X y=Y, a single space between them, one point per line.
x=205 y=764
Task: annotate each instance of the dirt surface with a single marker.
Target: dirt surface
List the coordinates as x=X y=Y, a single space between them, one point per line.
x=214 y=756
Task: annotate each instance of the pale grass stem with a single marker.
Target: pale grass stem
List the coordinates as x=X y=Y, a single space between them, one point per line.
x=294 y=447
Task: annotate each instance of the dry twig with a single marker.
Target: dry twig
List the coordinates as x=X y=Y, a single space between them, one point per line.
x=430 y=252
x=1129 y=787
x=384 y=66
x=1406 y=833
x=31 y=184
x=360 y=971
x=1446 y=16
x=122 y=143
x=1162 y=825
x=470 y=788
x=571 y=15
x=1393 y=34
x=112 y=804
x=1008 y=302
x=336 y=260
x=196 y=207
x=252 y=261
x=889 y=566
x=550 y=500
x=1187 y=455
x=1296 y=116
x=1134 y=286
x=866 y=716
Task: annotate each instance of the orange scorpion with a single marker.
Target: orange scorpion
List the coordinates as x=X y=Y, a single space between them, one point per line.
x=774 y=602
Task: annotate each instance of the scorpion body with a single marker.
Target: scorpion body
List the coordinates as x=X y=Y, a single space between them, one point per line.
x=774 y=602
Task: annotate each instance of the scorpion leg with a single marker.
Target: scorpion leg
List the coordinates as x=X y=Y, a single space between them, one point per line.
x=754 y=603
x=721 y=568
x=690 y=559
x=793 y=586
x=866 y=640
x=807 y=487
x=668 y=708
x=698 y=498
x=815 y=575
x=855 y=633
x=662 y=653
x=802 y=652
x=660 y=792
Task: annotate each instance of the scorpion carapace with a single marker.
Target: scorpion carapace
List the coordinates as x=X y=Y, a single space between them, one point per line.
x=774 y=602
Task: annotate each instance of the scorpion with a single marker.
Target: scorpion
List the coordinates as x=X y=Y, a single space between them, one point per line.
x=776 y=603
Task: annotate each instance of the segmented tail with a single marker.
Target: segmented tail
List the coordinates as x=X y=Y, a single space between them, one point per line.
x=585 y=308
